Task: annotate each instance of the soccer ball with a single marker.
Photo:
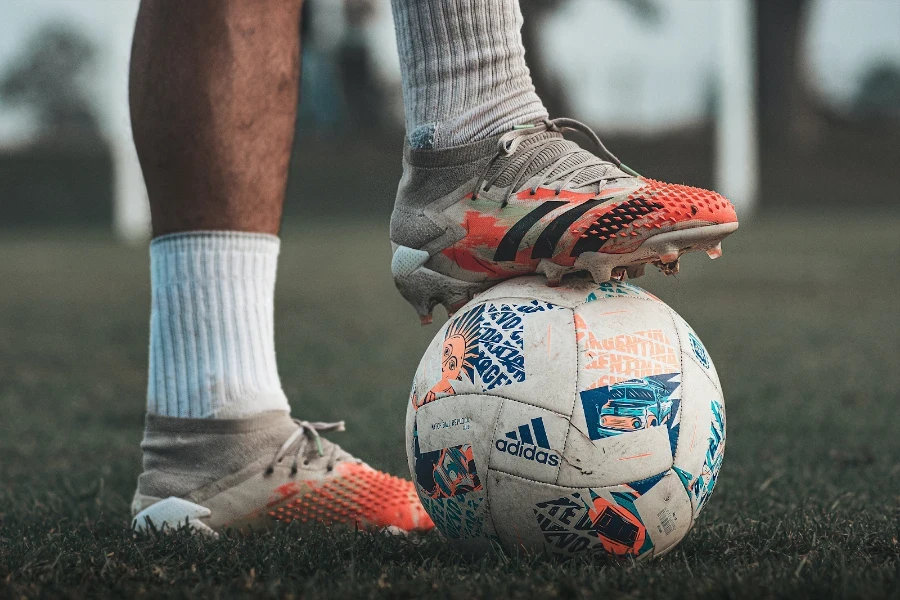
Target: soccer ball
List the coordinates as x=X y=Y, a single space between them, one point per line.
x=576 y=419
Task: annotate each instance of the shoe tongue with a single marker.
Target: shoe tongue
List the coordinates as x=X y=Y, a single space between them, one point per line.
x=554 y=146
x=510 y=165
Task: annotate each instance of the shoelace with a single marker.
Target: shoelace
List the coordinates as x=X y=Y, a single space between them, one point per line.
x=545 y=165
x=306 y=432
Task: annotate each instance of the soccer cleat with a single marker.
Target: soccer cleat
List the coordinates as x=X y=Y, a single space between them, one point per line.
x=530 y=201
x=294 y=475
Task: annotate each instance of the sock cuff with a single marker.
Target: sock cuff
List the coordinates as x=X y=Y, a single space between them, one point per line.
x=162 y=424
x=452 y=156
x=223 y=241
x=198 y=257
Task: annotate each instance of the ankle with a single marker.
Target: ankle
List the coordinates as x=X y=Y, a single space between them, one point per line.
x=184 y=454
x=489 y=119
x=453 y=94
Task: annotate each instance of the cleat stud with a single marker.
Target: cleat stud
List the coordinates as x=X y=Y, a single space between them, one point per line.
x=714 y=252
x=552 y=271
x=671 y=268
x=597 y=264
x=600 y=275
x=668 y=256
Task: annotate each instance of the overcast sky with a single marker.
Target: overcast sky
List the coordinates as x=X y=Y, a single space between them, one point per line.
x=622 y=73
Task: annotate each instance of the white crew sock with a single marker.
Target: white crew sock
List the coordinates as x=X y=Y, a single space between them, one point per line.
x=463 y=69
x=212 y=343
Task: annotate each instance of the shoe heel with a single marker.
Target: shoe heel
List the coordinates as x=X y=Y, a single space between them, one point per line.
x=171 y=514
x=424 y=288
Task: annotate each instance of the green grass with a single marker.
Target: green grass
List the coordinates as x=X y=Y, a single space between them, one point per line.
x=801 y=316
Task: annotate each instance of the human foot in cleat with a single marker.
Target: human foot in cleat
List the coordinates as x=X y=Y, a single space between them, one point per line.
x=530 y=201
x=250 y=474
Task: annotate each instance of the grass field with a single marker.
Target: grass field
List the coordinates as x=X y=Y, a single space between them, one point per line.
x=801 y=316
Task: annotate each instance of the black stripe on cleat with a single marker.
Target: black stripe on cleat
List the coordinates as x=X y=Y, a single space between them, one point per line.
x=546 y=242
x=509 y=245
x=612 y=222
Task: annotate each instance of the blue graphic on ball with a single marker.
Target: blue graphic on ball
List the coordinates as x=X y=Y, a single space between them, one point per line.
x=630 y=405
x=699 y=350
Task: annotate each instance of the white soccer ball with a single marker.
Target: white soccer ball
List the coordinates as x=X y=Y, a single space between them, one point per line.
x=583 y=418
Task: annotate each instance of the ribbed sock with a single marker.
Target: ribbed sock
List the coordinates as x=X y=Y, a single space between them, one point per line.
x=212 y=345
x=463 y=69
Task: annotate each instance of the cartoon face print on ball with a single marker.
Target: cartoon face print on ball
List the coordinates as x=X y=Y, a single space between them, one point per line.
x=459 y=350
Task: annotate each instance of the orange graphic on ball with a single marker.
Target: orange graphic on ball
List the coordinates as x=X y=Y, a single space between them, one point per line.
x=460 y=347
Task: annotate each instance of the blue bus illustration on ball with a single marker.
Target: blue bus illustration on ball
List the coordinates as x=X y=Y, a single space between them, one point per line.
x=629 y=405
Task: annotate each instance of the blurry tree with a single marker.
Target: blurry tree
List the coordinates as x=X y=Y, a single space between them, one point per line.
x=878 y=96
x=363 y=96
x=321 y=97
x=49 y=79
x=546 y=82
x=783 y=104
x=646 y=10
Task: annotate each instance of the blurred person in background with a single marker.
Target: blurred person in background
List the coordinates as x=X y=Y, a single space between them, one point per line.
x=491 y=190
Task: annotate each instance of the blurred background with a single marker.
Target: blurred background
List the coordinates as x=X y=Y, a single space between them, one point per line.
x=789 y=107
x=814 y=84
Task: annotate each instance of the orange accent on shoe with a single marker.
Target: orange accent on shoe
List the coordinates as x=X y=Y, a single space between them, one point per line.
x=705 y=205
x=356 y=495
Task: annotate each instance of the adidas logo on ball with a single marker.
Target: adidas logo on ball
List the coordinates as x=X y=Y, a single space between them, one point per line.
x=529 y=442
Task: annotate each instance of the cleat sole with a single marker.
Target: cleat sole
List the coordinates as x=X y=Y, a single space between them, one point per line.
x=424 y=288
x=661 y=249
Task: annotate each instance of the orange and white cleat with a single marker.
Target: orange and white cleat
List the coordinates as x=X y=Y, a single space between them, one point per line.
x=530 y=201
x=295 y=476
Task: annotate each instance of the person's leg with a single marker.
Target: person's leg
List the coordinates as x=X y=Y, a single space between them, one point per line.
x=491 y=189
x=213 y=93
x=214 y=88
